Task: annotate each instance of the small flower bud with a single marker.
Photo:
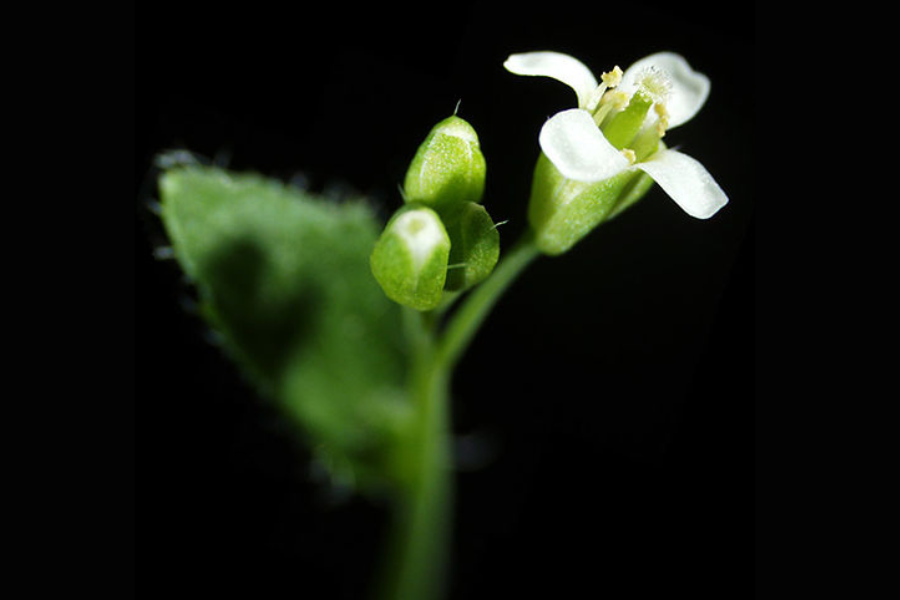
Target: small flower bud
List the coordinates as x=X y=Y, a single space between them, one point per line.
x=475 y=246
x=448 y=168
x=562 y=211
x=409 y=260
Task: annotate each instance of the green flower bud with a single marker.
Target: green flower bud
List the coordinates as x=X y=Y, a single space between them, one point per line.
x=475 y=246
x=562 y=211
x=409 y=260
x=448 y=168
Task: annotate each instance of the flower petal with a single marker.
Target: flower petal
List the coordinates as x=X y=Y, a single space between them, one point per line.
x=577 y=148
x=686 y=181
x=689 y=88
x=561 y=67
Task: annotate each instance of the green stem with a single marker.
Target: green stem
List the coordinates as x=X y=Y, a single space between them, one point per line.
x=469 y=317
x=416 y=567
x=417 y=552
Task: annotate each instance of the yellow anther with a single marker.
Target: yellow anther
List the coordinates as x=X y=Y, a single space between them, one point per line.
x=612 y=78
x=661 y=111
x=663 y=122
x=629 y=154
x=608 y=80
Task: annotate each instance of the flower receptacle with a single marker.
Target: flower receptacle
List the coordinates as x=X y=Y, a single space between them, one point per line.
x=562 y=211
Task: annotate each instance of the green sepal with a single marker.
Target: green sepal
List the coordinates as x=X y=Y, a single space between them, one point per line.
x=282 y=278
x=475 y=246
x=410 y=259
x=448 y=168
x=633 y=192
x=562 y=211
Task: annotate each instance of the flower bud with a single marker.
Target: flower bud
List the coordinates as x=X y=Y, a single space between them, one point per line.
x=409 y=260
x=562 y=211
x=475 y=246
x=448 y=168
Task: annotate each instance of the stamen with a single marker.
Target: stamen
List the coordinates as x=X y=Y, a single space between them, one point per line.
x=609 y=80
x=594 y=98
x=612 y=78
x=617 y=100
x=629 y=154
x=613 y=100
x=663 y=121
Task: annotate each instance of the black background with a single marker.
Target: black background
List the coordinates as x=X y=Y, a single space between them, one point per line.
x=605 y=411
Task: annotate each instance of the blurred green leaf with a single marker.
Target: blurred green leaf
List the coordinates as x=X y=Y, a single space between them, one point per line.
x=284 y=277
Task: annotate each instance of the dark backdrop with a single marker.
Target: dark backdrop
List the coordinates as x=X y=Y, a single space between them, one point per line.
x=605 y=411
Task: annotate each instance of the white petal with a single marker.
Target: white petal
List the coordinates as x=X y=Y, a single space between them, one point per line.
x=577 y=148
x=561 y=67
x=686 y=181
x=689 y=88
x=422 y=232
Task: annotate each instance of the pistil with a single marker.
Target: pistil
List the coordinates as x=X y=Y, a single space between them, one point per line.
x=629 y=127
x=646 y=142
x=624 y=125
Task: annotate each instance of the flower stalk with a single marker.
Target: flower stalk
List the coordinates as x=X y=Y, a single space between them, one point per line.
x=417 y=556
x=418 y=546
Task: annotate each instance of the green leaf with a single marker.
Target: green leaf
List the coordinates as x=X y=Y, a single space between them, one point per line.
x=284 y=278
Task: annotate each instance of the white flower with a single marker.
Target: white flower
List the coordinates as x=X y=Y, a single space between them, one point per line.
x=619 y=122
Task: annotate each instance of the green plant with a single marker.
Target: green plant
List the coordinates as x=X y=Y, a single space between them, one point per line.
x=354 y=328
